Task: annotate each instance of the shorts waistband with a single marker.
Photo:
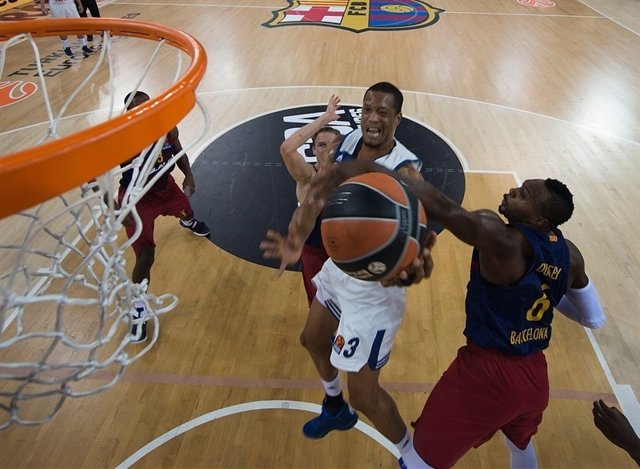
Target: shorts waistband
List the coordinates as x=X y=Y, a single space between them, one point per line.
x=497 y=354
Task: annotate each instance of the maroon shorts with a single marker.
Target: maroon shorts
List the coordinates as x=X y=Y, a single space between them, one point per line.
x=482 y=392
x=312 y=260
x=171 y=200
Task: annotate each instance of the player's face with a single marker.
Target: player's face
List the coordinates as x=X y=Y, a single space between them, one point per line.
x=324 y=141
x=379 y=119
x=522 y=204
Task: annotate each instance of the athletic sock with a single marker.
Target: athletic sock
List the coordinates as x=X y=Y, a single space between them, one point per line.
x=332 y=388
x=83 y=41
x=410 y=457
x=522 y=458
x=65 y=43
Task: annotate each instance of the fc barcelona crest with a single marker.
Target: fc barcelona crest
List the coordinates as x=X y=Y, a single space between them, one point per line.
x=357 y=15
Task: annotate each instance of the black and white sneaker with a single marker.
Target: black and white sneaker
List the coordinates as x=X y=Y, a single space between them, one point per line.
x=67 y=51
x=87 y=51
x=138 y=326
x=197 y=227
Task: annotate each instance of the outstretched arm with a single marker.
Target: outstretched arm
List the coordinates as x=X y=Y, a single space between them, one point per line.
x=289 y=249
x=298 y=168
x=483 y=229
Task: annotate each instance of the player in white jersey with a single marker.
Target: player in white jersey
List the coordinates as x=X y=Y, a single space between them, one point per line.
x=361 y=318
x=67 y=9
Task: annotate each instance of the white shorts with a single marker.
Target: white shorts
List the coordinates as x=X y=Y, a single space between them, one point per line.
x=368 y=313
x=63 y=9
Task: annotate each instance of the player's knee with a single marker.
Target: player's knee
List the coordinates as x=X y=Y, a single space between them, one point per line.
x=313 y=342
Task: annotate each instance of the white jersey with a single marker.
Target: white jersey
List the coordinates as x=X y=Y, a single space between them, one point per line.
x=368 y=313
x=398 y=157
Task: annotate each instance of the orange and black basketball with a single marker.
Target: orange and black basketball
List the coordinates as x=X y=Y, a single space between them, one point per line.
x=373 y=227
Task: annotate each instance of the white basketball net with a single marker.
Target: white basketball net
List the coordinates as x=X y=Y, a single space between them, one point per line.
x=65 y=294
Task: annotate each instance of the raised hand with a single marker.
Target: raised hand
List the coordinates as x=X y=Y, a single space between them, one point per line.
x=276 y=246
x=332 y=107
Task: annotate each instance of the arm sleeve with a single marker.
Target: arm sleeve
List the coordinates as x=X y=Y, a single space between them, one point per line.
x=583 y=306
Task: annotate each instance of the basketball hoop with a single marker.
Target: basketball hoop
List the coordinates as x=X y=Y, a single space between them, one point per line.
x=65 y=294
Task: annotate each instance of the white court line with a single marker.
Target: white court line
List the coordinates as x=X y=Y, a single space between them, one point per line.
x=610 y=18
x=248 y=407
x=425 y=93
x=463 y=161
x=191 y=4
x=334 y=87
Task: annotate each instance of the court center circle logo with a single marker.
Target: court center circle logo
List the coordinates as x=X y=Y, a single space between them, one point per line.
x=244 y=188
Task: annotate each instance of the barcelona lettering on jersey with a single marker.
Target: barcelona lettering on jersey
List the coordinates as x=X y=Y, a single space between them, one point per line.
x=516 y=319
x=161 y=162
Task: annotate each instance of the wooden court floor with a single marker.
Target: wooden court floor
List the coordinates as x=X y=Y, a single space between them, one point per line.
x=519 y=91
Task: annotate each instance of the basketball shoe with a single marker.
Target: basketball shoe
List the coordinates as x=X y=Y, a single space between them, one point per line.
x=319 y=426
x=197 y=227
x=138 y=326
x=67 y=52
x=87 y=51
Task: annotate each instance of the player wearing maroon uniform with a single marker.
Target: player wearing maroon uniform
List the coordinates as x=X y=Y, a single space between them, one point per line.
x=163 y=198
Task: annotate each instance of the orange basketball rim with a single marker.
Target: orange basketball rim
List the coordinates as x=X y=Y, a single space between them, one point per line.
x=39 y=173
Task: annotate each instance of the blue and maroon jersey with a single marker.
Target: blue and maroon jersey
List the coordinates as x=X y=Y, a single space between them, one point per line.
x=516 y=319
x=165 y=155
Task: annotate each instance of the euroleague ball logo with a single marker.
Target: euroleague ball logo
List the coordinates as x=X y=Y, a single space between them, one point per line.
x=377 y=268
x=244 y=189
x=12 y=92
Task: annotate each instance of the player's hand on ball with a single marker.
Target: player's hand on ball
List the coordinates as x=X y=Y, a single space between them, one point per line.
x=420 y=269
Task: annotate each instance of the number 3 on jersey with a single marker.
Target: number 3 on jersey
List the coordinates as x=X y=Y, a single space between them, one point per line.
x=347 y=349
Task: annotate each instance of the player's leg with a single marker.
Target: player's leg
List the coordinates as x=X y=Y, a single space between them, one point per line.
x=531 y=383
x=316 y=338
x=92 y=6
x=367 y=396
x=70 y=10
x=148 y=210
x=145 y=257
x=57 y=10
x=83 y=14
x=336 y=413
x=464 y=410
x=322 y=322
x=177 y=204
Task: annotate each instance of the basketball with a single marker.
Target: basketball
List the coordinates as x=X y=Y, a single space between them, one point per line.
x=373 y=227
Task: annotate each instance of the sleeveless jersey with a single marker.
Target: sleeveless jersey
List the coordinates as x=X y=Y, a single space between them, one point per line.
x=516 y=319
x=165 y=155
x=398 y=157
